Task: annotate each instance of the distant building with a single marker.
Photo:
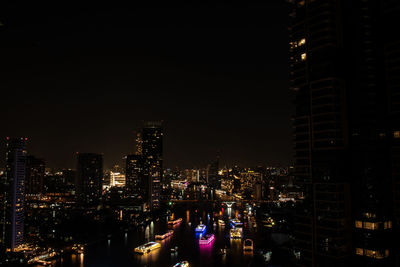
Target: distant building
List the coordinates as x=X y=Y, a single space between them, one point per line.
x=34 y=177
x=89 y=177
x=117 y=179
x=13 y=212
x=136 y=184
x=213 y=178
x=152 y=151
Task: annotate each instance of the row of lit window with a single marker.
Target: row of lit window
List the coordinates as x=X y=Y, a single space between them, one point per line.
x=373 y=225
x=372 y=253
x=299 y=43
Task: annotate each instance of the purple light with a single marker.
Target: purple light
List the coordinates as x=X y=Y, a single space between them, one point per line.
x=209 y=239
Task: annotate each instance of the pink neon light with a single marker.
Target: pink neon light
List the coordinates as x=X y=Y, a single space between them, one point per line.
x=207 y=241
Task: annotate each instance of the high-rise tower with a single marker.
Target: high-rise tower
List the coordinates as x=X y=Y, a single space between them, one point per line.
x=13 y=213
x=152 y=151
x=89 y=177
x=342 y=130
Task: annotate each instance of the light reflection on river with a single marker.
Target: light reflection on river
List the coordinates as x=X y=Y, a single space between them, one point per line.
x=118 y=250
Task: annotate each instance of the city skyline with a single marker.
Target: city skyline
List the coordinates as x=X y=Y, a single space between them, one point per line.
x=92 y=77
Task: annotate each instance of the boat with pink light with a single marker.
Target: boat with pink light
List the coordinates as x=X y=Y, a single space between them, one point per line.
x=207 y=239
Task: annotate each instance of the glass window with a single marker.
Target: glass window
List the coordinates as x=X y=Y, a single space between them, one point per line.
x=359 y=251
x=358 y=224
x=396 y=134
x=303 y=56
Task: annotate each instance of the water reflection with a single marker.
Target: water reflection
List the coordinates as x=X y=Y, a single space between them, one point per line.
x=119 y=252
x=81 y=258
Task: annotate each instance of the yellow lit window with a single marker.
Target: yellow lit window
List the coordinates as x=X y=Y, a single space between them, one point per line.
x=359 y=251
x=379 y=255
x=370 y=225
x=358 y=224
x=301 y=3
x=302 y=42
x=370 y=253
x=303 y=56
x=396 y=134
x=387 y=253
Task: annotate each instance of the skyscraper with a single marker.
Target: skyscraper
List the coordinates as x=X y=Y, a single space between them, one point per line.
x=89 y=177
x=152 y=150
x=213 y=178
x=13 y=213
x=136 y=183
x=341 y=132
x=34 y=177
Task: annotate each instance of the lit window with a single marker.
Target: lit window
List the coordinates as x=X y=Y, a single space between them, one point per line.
x=370 y=253
x=358 y=224
x=303 y=56
x=302 y=42
x=301 y=3
x=359 y=251
x=370 y=225
x=396 y=134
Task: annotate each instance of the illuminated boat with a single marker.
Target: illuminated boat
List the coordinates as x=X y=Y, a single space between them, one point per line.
x=147 y=248
x=167 y=234
x=182 y=264
x=173 y=222
x=200 y=229
x=206 y=240
x=235 y=234
x=78 y=248
x=269 y=222
x=236 y=223
x=248 y=245
x=221 y=222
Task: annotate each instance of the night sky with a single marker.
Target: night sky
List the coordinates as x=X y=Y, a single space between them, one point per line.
x=82 y=77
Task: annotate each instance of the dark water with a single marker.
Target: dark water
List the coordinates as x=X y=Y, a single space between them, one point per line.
x=118 y=250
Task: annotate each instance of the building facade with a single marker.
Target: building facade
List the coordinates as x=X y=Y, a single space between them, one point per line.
x=14 y=195
x=34 y=177
x=152 y=152
x=89 y=177
x=343 y=131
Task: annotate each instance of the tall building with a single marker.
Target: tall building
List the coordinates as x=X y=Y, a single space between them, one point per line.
x=342 y=131
x=34 y=176
x=89 y=177
x=14 y=195
x=138 y=142
x=213 y=178
x=136 y=182
x=152 y=151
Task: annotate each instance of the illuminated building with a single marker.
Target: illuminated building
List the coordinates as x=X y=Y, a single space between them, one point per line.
x=152 y=151
x=213 y=178
x=117 y=179
x=248 y=181
x=34 y=176
x=89 y=177
x=136 y=183
x=341 y=132
x=13 y=213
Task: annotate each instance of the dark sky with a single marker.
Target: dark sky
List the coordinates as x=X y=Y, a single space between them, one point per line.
x=82 y=77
